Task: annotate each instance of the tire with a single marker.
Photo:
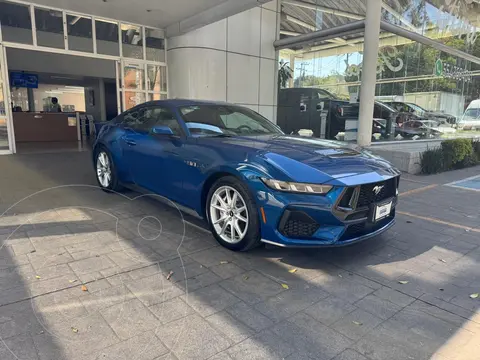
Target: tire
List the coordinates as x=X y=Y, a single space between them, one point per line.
x=113 y=184
x=251 y=233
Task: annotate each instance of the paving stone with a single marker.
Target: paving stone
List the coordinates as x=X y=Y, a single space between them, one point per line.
x=414 y=321
x=187 y=271
x=93 y=334
x=192 y=338
x=22 y=246
x=18 y=318
x=356 y=324
x=19 y=347
x=119 y=279
x=383 y=344
x=252 y=287
x=154 y=289
x=15 y=276
x=350 y=354
x=212 y=257
x=330 y=310
x=145 y=271
x=171 y=310
x=249 y=316
x=311 y=337
x=233 y=329
x=129 y=318
x=59 y=306
x=131 y=257
x=144 y=346
x=226 y=271
x=94 y=302
x=377 y=306
x=343 y=288
x=299 y=356
x=264 y=346
x=93 y=264
x=56 y=257
x=442 y=309
x=209 y=300
x=290 y=302
x=394 y=296
x=199 y=281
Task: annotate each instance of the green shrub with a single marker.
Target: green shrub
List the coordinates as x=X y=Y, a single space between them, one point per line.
x=432 y=161
x=455 y=151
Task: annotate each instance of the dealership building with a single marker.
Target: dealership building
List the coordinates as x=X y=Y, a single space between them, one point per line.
x=296 y=59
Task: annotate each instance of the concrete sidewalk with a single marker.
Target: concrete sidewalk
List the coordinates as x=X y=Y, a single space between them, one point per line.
x=90 y=275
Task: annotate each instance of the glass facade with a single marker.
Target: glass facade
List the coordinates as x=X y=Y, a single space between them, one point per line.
x=139 y=52
x=420 y=92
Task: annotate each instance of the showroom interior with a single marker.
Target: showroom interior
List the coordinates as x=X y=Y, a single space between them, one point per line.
x=321 y=67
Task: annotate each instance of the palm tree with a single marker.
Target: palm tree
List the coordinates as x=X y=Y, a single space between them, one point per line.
x=284 y=74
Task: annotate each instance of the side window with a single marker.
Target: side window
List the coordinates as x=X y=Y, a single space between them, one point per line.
x=134 y=118
x=158 y=116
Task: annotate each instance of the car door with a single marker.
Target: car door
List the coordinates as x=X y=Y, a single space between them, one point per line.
x=153 y=158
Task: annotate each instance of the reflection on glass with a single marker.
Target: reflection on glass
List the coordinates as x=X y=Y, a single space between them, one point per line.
x=107 y=37
x=133 y=77
x=440 y=20
x=133 y=98
x=132 y=42
x=19 y=99
x=156 y=96
x=49 y=24
x=157 y=78
x=3 y=118
x=155 y=45
x=16 y=23
x=79 y=33
x=421 y=92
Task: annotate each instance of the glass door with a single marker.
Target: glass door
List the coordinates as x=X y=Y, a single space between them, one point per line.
x=140 y=82
x=133 y=84
x=7 y=144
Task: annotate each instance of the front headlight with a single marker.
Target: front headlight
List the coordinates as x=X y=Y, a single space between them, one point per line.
x=297 y=187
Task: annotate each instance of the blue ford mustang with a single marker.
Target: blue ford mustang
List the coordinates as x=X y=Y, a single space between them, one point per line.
x=247 y=179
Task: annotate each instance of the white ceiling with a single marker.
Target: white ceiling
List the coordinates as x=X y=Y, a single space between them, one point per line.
x=161 y=13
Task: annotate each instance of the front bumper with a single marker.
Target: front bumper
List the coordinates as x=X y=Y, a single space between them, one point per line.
x=296 y=220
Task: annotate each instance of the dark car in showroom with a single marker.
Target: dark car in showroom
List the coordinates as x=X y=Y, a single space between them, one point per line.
x=422 y=113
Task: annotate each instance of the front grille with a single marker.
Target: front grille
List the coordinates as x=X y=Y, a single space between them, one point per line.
x=368 y=196
x=297 y=224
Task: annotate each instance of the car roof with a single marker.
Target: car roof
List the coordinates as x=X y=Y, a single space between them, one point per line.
x=185 y=102
x=474 y=104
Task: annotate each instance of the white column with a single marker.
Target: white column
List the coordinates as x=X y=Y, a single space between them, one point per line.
x=369 y=72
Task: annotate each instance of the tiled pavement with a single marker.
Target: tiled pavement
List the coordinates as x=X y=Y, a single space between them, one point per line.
x=85 y=275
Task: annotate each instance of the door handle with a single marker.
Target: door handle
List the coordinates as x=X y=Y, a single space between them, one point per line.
x=129 y=141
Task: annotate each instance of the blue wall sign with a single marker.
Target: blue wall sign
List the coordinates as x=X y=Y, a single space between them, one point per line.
x=24 y=80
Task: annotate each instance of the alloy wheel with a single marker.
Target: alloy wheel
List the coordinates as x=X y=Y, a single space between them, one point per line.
x=104 y=170
x=229 y=214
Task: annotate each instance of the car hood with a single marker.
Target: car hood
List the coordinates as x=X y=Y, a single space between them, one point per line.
x=312 y=160
x=437 y=114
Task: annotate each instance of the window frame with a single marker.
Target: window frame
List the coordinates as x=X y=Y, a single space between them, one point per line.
x=174 y=116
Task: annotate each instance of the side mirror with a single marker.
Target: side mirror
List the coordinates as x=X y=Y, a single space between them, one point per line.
x=162 y=130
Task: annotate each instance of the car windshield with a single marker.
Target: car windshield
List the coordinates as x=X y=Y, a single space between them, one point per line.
x=388 y=107
x=472 y=113
x=226 y=120
x=417 y=108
